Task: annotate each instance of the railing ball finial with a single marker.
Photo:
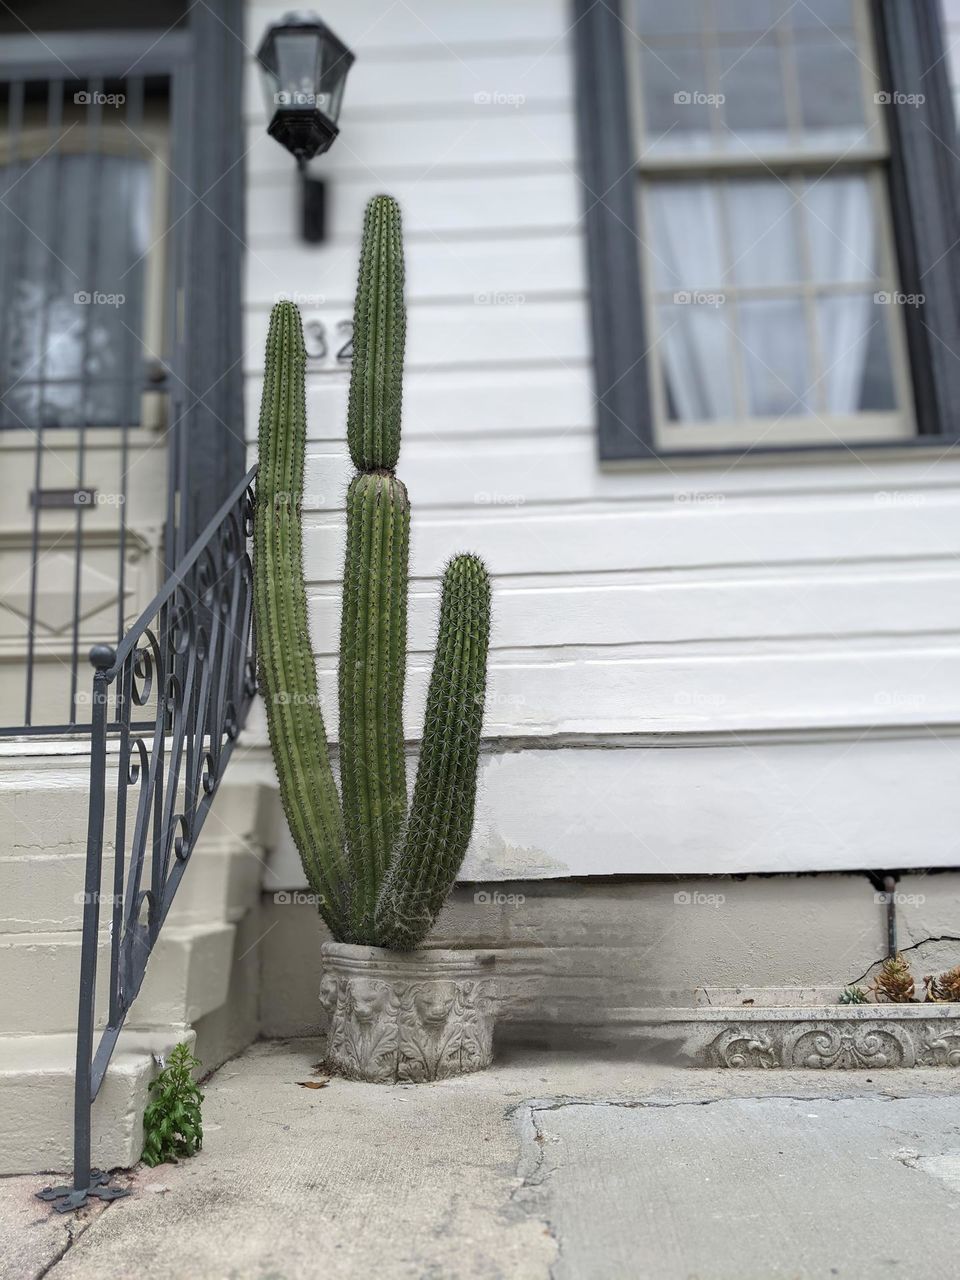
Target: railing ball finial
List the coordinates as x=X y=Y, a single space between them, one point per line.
x=103 y=656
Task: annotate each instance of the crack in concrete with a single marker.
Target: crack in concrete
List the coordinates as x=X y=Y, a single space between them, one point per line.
x=943 y=937
x=533 y=1168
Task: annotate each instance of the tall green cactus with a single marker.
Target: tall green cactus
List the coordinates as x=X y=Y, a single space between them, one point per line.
x=381 y=873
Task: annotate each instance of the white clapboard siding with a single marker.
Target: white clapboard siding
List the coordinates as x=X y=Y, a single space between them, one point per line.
x=506 y=82
x=706 y=605
x=386 y=29
x=754 y=806
x=438 y=142
x=489 y=403
x=519 y=541
x=718 y=611
x=468 y=333
x=502 y=274
x=517 y=472
x=451 y=208
x=813 y=687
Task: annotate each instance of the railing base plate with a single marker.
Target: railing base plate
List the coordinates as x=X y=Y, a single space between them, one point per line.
x=66 y=1199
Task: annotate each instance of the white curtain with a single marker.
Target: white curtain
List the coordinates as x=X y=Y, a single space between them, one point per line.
x=689 y=259
x=843 y=249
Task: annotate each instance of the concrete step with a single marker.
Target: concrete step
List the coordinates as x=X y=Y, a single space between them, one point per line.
x=36 y=1100
x=43 y=892
x=187 y=976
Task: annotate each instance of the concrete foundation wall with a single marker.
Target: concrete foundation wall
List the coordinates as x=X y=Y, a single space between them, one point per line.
x=583 y=953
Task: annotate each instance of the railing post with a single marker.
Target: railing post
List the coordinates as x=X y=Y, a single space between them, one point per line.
x=195 y=710
x=87 y=1181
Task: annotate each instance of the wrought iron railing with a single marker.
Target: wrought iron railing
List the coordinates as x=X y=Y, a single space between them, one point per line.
x=168 y=703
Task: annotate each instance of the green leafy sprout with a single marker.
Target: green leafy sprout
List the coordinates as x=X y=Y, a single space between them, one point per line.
x=172 y=1125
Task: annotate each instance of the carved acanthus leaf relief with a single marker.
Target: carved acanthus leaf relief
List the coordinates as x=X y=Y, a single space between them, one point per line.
x=847 y=1045
x=394 y=1029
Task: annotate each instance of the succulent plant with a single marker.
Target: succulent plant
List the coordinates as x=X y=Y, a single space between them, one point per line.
x=853 y=995
x=946 y=987
x=894 y=982
x=381 y=871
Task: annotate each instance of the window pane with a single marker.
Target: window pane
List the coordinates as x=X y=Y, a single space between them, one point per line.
x=695 y=356
x=754 y=110
x=775 y=359
x=750 y=17
x=831 y=92
x=853 y=340
x=74 y=306
x=679 y=17
x=835 y=14
x=841 y=228
x=687 y=248
x=763 y=232
x=677 y=116
x=789 y=75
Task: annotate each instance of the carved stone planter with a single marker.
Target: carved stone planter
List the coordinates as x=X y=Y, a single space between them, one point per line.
x=407 y=1016
x=849 y=1037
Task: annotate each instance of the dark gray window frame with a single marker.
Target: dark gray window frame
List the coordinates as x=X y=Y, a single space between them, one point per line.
x=924 y=181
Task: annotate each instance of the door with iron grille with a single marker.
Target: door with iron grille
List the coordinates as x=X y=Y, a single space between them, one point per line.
x=103 y=208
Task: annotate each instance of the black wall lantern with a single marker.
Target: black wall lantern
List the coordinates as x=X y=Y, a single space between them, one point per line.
x=304 y=69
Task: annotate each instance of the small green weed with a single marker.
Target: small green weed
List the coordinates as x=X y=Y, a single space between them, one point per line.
x=172 y=1125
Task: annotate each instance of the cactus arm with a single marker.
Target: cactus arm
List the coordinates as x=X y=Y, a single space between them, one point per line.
x=379 y=330
x=373 y=630
x=288 y=677
x=426 y=862
x=372 y=669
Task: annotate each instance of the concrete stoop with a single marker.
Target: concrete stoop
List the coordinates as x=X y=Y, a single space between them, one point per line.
x=191 y=975
x=36 y=1099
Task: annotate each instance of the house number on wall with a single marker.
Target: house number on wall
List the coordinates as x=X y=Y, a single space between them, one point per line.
x=328 y=346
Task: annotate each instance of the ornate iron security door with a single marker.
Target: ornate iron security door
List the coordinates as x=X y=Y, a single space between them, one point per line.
x=86 y=286
x=120 y=379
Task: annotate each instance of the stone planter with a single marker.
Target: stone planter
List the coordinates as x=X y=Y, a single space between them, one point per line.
x=850 y=1037
x=407 y=1016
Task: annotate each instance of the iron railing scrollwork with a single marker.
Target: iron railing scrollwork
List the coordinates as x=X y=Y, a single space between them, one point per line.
x=168 y=706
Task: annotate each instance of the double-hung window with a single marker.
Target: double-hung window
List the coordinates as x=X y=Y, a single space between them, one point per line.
x=770 y=190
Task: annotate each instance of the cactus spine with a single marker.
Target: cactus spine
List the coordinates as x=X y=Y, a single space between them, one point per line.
x=382 y=873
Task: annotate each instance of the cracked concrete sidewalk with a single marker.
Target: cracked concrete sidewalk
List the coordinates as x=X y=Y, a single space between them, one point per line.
x=554 y=1164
